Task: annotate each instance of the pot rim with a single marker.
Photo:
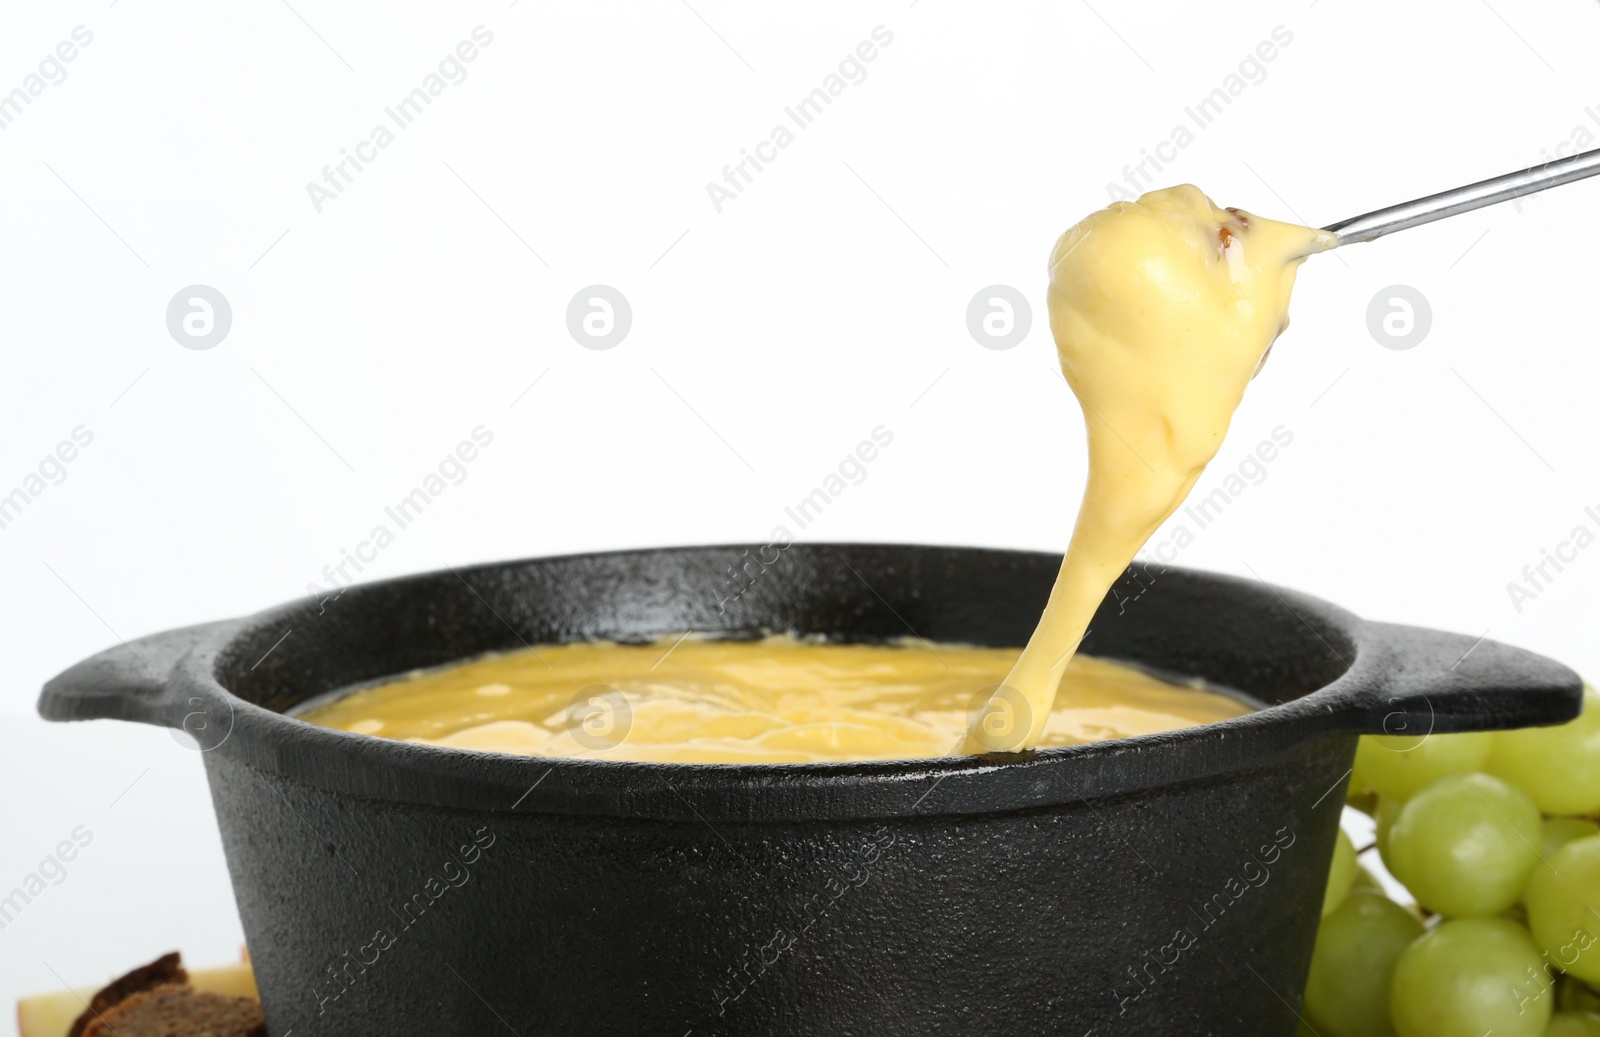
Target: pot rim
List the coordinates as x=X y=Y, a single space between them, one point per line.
x=1396 y=672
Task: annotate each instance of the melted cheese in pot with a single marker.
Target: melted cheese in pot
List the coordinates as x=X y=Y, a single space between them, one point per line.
x=1162 y=310
x=776 y=700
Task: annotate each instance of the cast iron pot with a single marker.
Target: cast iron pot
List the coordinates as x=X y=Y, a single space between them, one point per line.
x=1166 y=884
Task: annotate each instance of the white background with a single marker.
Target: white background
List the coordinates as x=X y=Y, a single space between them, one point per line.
x=767 y=340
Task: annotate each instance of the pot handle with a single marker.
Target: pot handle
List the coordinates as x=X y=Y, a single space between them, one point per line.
x=1431 y=681
x=132 y=681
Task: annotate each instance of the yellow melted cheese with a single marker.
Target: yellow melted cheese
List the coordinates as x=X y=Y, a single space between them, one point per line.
x=1162 y=310
x=776 y=700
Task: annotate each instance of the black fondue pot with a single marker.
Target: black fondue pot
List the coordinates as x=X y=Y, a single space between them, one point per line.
x=1166 y=884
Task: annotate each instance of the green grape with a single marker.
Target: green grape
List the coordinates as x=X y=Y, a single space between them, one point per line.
x=1359 y=785
x=1359 y=792
x=1341 y=874
x=1398 y=765
x=1558 y=766
x=1564 y=908
x=1388 y=811
x=1347 y=994
x=1470 y=976
x=1464 y=847
x=1573 y=1024
x=1559 y=831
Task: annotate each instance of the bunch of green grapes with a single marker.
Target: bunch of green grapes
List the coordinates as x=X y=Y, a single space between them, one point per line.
x=1495 y=835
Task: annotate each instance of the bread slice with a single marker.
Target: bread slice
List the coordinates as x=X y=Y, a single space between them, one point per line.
x=53 y=1014
x=157 y=1000
x=165 y=971
x=179 y=1011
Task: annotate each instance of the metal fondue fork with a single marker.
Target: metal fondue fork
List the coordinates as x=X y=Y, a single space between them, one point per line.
x=1464 y=199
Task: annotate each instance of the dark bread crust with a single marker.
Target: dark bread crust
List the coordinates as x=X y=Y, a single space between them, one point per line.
x=164 y=971
x=180 y=1011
